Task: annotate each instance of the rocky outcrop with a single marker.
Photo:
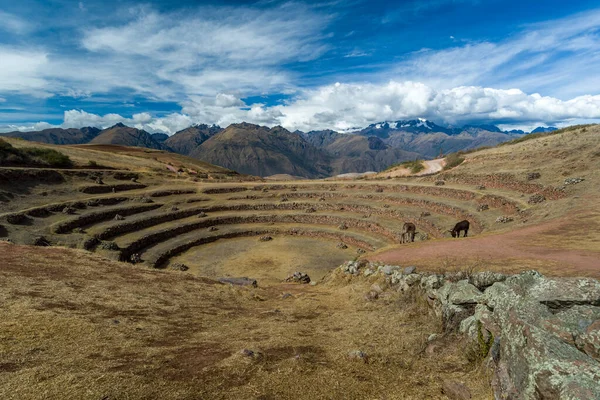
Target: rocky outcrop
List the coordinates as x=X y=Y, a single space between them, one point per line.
x=540 y=336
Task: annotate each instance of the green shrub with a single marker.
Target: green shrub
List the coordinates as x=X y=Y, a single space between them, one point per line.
x=32 y=156
x=414 y=166
x=453 y=160
x=49 y=157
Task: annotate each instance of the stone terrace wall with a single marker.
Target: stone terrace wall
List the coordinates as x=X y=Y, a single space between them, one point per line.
x=540 y=335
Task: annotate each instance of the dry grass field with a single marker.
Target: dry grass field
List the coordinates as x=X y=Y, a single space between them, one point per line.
x=93 y=308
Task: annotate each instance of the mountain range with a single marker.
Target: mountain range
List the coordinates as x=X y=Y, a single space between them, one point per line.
x=262 y=151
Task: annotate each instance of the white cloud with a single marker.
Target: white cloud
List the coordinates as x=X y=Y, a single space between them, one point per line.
x=2 y=100
x=22 y=71
x=13 y=24
x=345 y=107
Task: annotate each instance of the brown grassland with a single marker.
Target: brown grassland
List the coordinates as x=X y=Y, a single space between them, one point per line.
x=78 y=324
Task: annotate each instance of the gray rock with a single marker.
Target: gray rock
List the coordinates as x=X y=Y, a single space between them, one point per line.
x=388 y=269
x=482 y=280
x=409 y=270
x=533 y=175
x=239 y=281
x=463 y=293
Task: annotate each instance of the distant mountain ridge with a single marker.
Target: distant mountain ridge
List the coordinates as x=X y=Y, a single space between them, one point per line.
x=263 y=151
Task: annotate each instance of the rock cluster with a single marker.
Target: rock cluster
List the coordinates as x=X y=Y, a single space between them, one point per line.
x=539 y=335
x=265 y=238
x=342 y=246
x=536 y=199
x=179 y=267
x=299 y=277
x=504 y=219
x=573 y=181
x=483 y=207
x=109 y=246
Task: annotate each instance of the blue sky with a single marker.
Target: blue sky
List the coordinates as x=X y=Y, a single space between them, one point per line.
x=335 y=64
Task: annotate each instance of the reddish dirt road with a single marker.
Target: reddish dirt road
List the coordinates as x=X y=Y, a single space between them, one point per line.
x=509 y=252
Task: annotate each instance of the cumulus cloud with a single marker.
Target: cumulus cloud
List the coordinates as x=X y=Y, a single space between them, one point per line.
x=345 y=107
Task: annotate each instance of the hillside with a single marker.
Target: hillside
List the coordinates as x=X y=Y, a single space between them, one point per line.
x=57 y=135
x=122 y=135
x=187 y=140
x=355 y=153
x=258 y=150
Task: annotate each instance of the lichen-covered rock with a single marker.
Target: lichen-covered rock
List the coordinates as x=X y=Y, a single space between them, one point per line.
x=463 y=293
x=432 y=282
x=535 y=319
x=482 y=280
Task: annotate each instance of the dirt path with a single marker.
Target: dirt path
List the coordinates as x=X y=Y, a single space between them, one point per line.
x=432 y=166
x=510 y=252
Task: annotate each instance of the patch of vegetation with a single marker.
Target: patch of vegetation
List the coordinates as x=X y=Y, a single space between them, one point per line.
x=32 y=156
x=453 y=160
x=414 y=167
